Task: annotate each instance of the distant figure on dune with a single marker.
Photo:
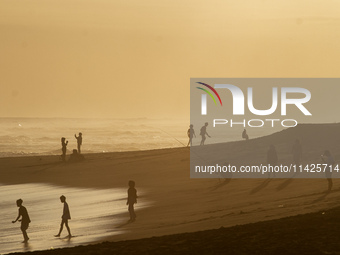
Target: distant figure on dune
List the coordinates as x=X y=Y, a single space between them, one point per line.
x=272 y=158
x=328 y=159
x=297 y=152
x=245 y=135
x=25 y=219
x=79 y=140
x=204 y=132
x=131 y=200
x=191 y=134
x=75 y=156
x=65 y=217
x=63 y=148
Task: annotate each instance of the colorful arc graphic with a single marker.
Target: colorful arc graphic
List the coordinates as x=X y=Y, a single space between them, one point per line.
x=207 y=93
x=208 y=86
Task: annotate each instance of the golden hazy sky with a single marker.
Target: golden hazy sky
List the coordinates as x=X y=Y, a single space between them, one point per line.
x=108 y=58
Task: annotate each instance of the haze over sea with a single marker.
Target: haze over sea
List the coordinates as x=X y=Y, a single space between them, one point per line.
x=41 y=136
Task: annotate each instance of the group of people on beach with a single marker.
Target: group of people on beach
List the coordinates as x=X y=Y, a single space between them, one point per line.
x=326 y=157
x=203 y=134
x=25 y=220
x=76 y=154
x=272 y=158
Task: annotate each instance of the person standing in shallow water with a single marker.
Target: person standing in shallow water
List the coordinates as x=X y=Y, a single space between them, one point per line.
x=25 y=219
x=65 y=217
x=79 y=140
x=191 y=134
x=204 y=132
x=63 y=148
x=131 y=200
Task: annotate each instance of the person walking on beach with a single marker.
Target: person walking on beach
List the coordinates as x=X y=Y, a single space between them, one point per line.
x=297 y=152
x=25 y=219
x=328 y=159
x=79 y=140
x=272 y=158
x=131 y=200
x=65 y=217
x=204 y=132
x=191 y=134
x=63 y=148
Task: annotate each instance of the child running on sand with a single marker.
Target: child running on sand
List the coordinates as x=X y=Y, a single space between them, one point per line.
x=131 y=200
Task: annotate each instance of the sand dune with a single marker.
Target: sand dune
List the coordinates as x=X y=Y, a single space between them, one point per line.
x=181 y=204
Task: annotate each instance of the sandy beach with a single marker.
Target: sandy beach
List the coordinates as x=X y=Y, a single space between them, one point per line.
x=176 y=203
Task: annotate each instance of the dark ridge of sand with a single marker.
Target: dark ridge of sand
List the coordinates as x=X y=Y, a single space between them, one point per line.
x=312 y=234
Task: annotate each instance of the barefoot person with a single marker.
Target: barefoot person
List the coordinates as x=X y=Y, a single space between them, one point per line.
x=204 y=132
x=65 y=217
x=25 y=219
x=132 y=199
x=79 y=141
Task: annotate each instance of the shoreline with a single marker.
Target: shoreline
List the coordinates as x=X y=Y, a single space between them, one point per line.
x=313 y=234
x=181 y=204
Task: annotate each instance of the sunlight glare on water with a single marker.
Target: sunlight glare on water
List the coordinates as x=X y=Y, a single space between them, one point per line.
x=95 y=213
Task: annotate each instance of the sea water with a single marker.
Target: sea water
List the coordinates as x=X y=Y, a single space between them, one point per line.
x=95 y=214
x=41 y=136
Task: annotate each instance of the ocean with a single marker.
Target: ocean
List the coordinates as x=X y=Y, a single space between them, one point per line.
x=41 y=136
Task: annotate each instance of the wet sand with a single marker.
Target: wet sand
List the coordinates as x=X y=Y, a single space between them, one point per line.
x=181 y=204
x=312 y=234
x=94 y=215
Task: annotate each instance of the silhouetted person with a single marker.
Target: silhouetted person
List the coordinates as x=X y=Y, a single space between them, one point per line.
x=245 y=135
x=191 y=134
x=63 y=148
x=25 y=219
x=75 y=156
x=131 y=200
x=65 y=217
x=297 y=152
x=79 y=140
x=272 y=158
x=204 y=132
x=329 y=160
